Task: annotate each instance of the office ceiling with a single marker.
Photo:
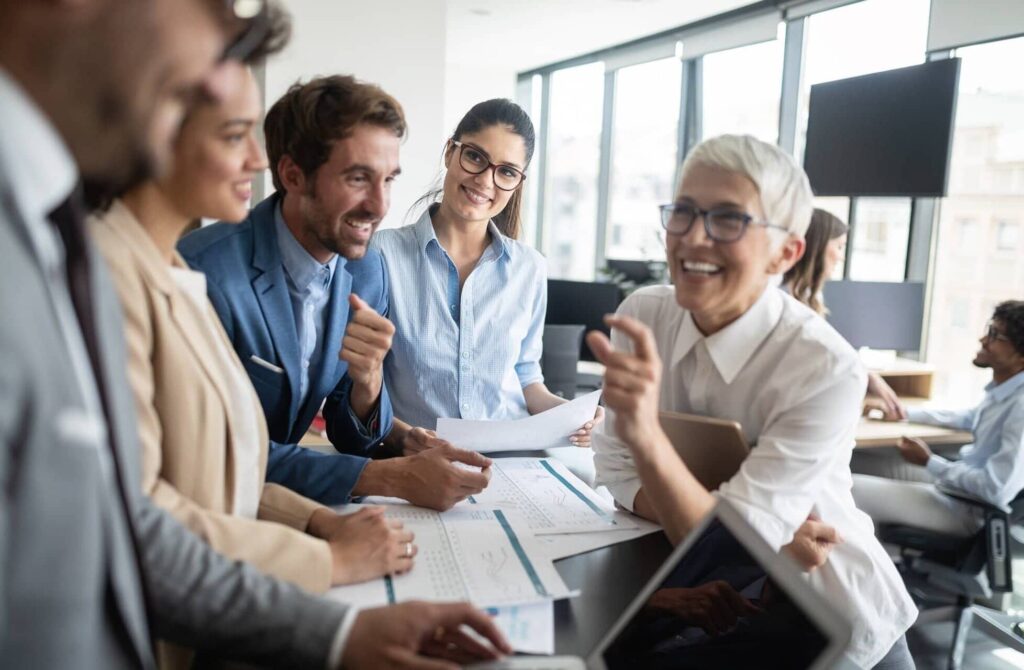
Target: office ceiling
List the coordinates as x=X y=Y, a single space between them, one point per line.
x=523 y=34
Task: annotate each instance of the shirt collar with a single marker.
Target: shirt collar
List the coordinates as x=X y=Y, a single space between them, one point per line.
x=300 y=266
x=1006 y=389
x=731 y=347
x=33 y=157
x=424 y=229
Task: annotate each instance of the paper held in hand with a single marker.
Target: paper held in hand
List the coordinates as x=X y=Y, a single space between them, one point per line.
x=546 y=430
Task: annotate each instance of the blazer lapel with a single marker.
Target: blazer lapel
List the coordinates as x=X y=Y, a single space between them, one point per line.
x=271 y=292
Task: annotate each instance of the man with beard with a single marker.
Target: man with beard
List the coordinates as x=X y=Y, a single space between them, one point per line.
x=89 y=568
x=991 y=469
x=287 y=280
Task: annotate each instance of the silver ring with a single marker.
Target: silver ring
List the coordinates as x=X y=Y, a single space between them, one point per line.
x=408 y=549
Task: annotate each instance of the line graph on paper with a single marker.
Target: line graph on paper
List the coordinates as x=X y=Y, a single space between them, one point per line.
x=549 y=497
x=473 y=554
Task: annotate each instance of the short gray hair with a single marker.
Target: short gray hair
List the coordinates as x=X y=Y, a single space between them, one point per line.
x=785 y=191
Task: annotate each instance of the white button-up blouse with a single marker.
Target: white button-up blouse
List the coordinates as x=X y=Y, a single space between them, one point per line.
x=795 y=386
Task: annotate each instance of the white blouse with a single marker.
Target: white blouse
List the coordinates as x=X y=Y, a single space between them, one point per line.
x=245 y=427
x=795 y=386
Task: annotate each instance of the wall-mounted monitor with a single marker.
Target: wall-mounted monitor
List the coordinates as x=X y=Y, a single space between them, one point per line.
x=883 y=134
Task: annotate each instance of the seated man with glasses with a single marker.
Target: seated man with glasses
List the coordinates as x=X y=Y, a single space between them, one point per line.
x=990 y=469
x=723 y=342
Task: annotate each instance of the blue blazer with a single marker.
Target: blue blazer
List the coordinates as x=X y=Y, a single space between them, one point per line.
x=246 y=284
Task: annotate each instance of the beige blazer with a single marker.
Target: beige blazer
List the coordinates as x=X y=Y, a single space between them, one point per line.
x=185 y=422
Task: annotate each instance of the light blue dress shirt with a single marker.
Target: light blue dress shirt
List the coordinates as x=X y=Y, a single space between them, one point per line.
x=993 y=467
x=309 y=287
x=464 y=355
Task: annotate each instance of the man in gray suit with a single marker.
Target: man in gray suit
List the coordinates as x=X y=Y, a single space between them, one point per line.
x=89 y=568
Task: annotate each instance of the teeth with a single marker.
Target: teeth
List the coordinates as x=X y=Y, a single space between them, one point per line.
x=478 y=198
x=694 y=266
x=360 y=225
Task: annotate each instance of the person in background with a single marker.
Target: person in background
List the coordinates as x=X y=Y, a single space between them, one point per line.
x=468 y=299
x=722 y=342
x=305 y=303
x=825 y=240
x=89 y=567
x=991 y=469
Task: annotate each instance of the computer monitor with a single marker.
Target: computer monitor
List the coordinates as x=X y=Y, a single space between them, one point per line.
x=883 y=134
x=638 y=272
x=880 y=315
x=582 y=303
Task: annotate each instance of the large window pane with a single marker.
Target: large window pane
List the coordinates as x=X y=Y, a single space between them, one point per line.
x=574 y=147
x=864 y=37
x=979 y=246
x=644 y=131
x=880 y=239
x=741 y=91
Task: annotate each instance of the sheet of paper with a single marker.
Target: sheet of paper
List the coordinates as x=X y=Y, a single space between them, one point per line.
x=541 y=431
x=551 y=498
x=530 y=629
x=566 y=545
x=488 y=557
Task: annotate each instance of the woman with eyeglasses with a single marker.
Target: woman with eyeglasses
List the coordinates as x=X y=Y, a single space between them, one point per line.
x=468 y=299
x=722 y=341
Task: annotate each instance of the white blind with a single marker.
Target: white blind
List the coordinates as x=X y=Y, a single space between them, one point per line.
x=740 y=33
x=957 y=23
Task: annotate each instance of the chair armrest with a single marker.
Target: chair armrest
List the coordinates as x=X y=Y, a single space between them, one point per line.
x=970 y=499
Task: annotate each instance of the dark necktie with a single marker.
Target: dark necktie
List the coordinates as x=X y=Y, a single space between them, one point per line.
x=69 y=219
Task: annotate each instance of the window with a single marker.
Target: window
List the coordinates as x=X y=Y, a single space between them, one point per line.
x=644 y=129
x=573 y=161
x=1007 y=236
x=868 y=36
x=978 y=223
x=880 y=238
x=741 y=90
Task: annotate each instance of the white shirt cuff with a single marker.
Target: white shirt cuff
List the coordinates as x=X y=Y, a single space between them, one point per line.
x=937 y=465
x=625 y=492
x=917 y=415
x=340 y=638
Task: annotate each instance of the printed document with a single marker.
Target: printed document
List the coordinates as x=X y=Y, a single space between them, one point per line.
x=541 y=431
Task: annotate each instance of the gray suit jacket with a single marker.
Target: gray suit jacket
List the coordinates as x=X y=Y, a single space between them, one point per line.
x=70 y=584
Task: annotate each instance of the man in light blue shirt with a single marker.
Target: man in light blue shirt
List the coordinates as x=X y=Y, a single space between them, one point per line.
x=990 y=469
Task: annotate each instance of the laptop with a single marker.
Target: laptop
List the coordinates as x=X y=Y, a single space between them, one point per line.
x=722 y=599
x=713 y=449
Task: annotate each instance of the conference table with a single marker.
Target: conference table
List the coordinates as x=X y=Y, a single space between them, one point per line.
x=608 y=579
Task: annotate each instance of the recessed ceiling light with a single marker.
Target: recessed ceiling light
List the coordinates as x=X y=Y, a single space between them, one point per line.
x=480 y=11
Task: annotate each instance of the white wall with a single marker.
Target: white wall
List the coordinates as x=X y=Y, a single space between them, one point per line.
x=397 y=44
x=467 y=85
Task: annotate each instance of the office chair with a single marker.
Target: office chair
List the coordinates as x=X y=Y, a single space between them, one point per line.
x=939 y=569
x=561 y=353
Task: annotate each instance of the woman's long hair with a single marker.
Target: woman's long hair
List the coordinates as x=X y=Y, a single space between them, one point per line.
x=496 y=112
x=807 y=275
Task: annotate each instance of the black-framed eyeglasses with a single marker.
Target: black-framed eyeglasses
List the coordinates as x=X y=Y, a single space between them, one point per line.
x=255 y=15
x=475 y=161
x=721 y=225
x=992 y=333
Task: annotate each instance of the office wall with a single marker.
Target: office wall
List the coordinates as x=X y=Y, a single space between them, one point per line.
x=397 y=44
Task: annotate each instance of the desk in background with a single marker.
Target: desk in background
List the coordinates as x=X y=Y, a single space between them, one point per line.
x=872 y=434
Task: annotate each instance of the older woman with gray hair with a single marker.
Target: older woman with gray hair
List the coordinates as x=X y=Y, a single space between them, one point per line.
x=723 y=342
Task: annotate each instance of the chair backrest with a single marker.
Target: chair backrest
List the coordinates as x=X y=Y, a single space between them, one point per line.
x=561 y=354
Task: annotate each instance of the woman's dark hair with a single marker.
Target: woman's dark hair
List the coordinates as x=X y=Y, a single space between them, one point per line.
x=483 y=115
x=1011 y=314
x=807 y=275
